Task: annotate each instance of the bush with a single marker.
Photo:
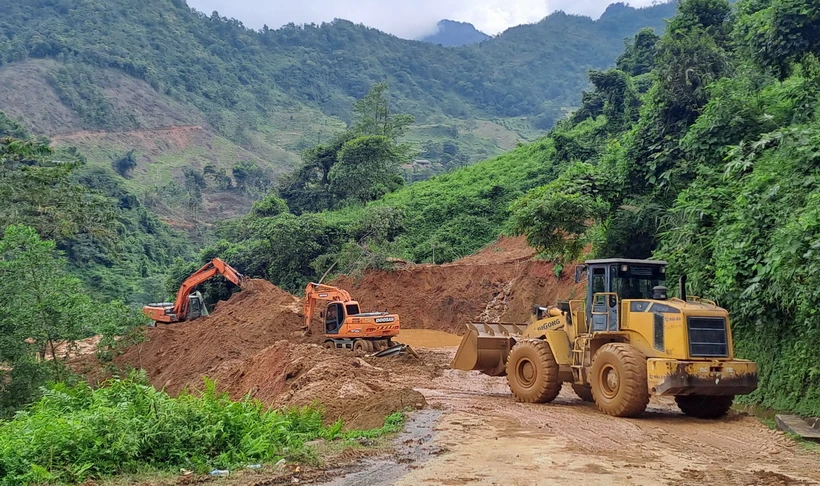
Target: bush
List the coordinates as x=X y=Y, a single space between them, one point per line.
x=75 y=433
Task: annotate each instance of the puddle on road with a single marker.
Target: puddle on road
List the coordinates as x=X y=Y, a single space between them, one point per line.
x=427 y=338
x=413 y=446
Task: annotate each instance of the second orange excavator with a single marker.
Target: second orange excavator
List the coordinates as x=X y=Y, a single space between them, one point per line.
x=189 y=305
x=346 y=326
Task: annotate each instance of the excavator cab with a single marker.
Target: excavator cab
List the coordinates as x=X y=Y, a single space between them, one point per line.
x=196 y=306
x=336 y=313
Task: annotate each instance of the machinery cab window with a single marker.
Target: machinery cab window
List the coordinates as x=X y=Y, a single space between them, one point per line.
x=194 y=307
x=636 y=281
x=352 y=309
x=334 y=318
x=614 y=280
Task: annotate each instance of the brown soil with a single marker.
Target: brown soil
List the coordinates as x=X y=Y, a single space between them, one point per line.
x=570 y=441
x=253 y=345
x=500 y=283
x=347 y=386
x=179 y=355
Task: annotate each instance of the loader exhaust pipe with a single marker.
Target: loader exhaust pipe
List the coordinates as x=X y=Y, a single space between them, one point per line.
x=683 y=288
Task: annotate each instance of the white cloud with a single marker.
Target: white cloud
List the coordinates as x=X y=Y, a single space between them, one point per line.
x=404 y=18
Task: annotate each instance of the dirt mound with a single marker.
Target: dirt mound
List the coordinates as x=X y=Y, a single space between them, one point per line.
x=428 y=338
x=348 y=387
x=179 y=355
x=500 y=283
x=503 y=250
x=253 y=344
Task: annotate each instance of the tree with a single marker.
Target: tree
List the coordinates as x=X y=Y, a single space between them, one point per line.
x=367 y=168
x=779 y=33
x=270 y=206
x=372 y=116
x=37 y=189
x=639 y=56
x=42 y=307
x=291 y=244
x=11 y=128
x=556 y=218
x=125 y=164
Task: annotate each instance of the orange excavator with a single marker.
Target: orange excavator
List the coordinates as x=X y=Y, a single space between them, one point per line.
x=190 y=305
x=346 y=327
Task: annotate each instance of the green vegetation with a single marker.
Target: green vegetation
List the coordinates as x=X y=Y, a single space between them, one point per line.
x=709 y=160
x=75 y=433
x=43 y=307
x=114 y=244
x=360 y=164
x=225 y=69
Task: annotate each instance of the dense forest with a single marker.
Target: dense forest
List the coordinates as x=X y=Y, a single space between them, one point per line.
x=118 y=77
x=700 y=147
x=235 y=75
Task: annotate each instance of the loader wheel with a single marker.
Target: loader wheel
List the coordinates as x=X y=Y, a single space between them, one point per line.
x=619 y=380
x=704 y=407
x=583 y=392
x=362 y=345
x=532 y=372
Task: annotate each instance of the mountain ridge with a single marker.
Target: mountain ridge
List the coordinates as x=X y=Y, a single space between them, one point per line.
x=452 y=33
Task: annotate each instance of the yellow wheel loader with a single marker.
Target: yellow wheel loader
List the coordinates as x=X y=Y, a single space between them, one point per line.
x=626 y=341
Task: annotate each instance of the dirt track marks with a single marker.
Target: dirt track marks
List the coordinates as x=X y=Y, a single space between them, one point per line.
x=569 y=440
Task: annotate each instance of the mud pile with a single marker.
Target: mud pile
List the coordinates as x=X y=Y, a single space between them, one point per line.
x=253 y=344
x=179 y=355
x=361 y=392
x=500 y=283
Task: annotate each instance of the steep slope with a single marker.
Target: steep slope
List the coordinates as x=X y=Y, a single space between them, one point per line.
x=450 y=33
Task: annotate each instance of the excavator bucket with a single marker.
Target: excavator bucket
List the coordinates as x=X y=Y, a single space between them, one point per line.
x=485 y=347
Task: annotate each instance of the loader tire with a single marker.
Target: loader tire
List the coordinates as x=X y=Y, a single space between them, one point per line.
x=329 y=344
x=583 y=392
x=703 y=406
x=619 y=380
x=363 y=345
x=532 y=372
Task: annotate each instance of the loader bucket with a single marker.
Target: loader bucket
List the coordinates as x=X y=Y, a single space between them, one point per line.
x=485 y=348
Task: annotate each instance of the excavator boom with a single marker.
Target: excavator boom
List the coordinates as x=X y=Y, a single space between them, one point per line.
x=179 y=310
x=314 y=292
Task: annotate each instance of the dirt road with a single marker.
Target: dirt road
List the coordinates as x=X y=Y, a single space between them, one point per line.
x=482 y=436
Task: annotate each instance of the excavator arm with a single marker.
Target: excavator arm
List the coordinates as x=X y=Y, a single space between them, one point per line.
x=208 y=271
x=315 y=292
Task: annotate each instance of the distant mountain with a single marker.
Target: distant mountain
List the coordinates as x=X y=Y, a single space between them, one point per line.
x=450 y=33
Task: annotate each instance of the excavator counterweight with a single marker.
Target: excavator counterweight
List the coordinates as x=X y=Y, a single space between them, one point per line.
x=188 y=306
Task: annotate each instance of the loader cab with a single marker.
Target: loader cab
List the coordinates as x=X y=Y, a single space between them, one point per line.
x=609 y=281
x=336 y=313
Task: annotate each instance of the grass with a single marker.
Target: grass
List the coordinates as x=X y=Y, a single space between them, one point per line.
x=128 y=428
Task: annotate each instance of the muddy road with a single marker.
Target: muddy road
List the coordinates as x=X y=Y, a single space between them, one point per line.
x=482 y=436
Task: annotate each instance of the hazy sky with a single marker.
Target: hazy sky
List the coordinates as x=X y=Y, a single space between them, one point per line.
x=404 y=18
